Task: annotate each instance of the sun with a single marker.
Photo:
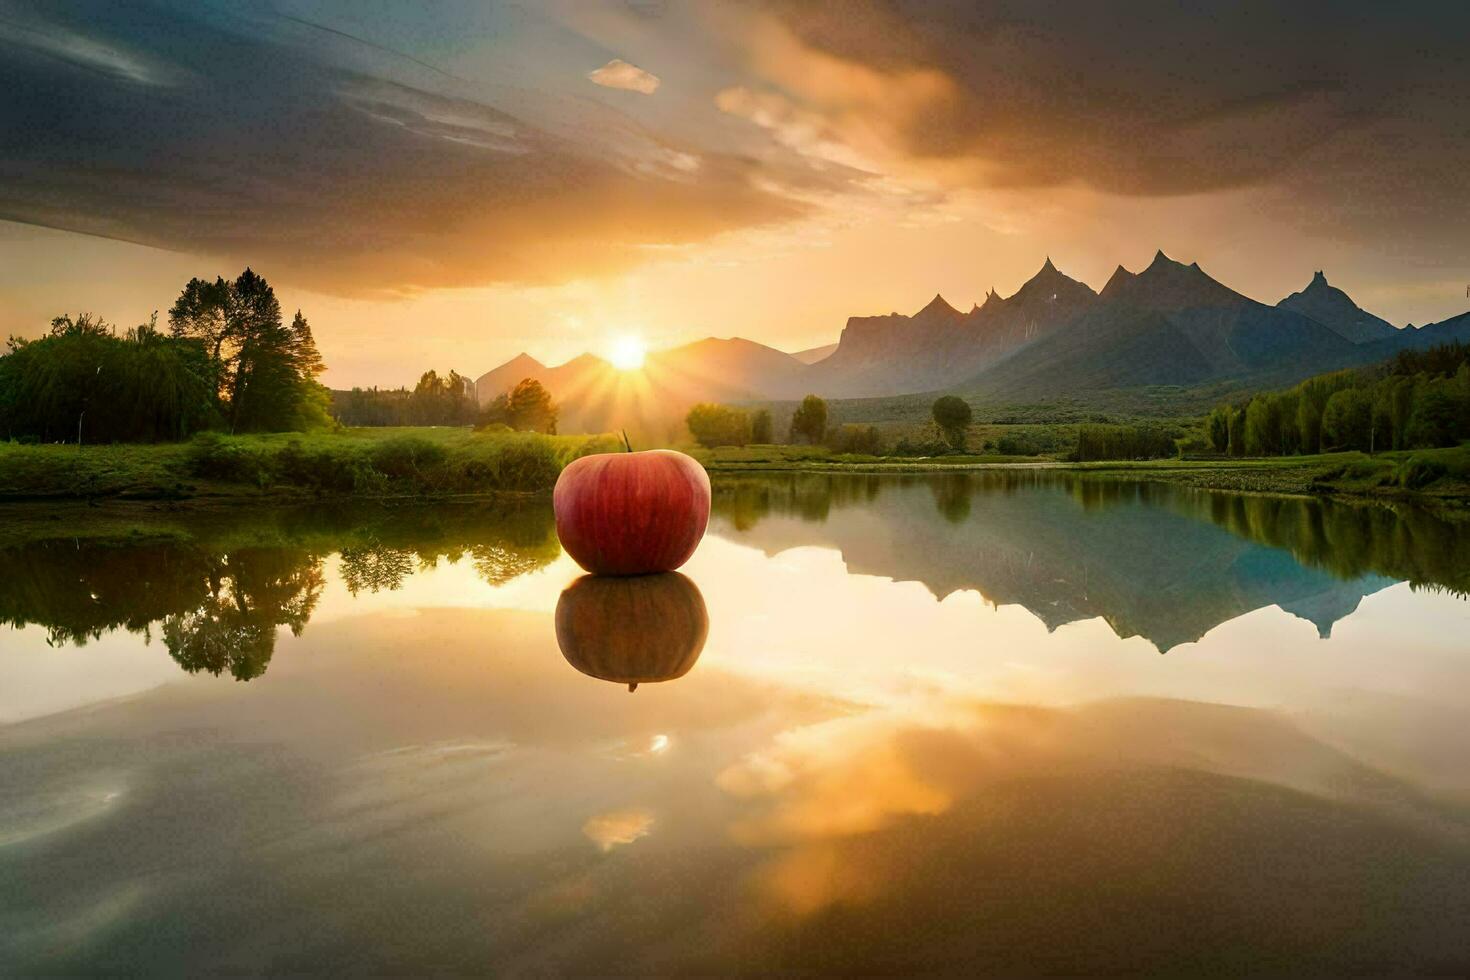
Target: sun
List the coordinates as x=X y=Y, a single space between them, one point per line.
x=627 y=352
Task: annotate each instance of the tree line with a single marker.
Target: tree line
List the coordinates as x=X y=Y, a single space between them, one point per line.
x=1419 y=399
x=722 y=425
x=435 y=400
x=448 y=400
x=714 y=425
x=227 y=361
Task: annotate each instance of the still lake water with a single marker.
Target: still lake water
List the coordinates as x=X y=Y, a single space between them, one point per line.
x=954 y=723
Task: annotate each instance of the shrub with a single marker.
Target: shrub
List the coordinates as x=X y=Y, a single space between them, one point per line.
x=213 y=457
x=1418 y=472
x=408 y=458
x=861 y=440
x=1017 y=445
x=339 y=469
x=523 y=464
x=717 y=425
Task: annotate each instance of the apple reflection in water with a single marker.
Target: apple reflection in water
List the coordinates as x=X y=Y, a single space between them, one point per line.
x=632 y=631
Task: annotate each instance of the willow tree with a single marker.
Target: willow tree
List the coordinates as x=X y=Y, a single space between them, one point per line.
x=85 y=383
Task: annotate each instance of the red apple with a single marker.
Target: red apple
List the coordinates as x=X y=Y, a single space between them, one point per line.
x=631 y=513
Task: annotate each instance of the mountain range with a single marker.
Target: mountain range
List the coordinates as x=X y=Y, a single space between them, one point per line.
x=1170 y=324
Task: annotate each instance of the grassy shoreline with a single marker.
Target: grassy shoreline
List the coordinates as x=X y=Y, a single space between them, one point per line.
x=352 y=463
x=1442 y=475
x=452 y=463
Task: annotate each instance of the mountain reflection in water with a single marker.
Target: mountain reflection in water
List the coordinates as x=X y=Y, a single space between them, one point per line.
x=1163 y=562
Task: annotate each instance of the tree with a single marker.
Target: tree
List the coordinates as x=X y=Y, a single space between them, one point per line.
x=717 y=425
x=862 y=440
x=526 y=408
x=1219 y=429
x=1309 y=423
x=84 y=383
x=953 y=416
x=264 y=371
x=1123 y=442
x=1237 y=431
x=810 y=421
x=761 y=429
x=1260 y=427
x=1438 y=416
x=442 y=401
x=1347 y=420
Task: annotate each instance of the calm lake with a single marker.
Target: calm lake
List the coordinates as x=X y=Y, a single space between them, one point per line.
x=1000 y=722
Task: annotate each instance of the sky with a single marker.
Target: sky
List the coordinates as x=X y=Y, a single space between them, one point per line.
x=445 y=185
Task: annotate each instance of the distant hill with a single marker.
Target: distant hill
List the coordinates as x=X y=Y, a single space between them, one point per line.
x=596 y=396
x=507 y=376
x=1170 y=325
x=814 y=354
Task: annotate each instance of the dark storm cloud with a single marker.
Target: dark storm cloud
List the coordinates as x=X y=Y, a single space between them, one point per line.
x=344 y=167
x=1357 y=112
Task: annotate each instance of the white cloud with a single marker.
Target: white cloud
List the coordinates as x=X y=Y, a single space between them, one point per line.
x=619 y=74
x=84 y=52
x=610 y=830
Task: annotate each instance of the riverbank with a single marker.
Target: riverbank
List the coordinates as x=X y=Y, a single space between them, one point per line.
x=1440 y=474
x=368 y=463
x=443 y=463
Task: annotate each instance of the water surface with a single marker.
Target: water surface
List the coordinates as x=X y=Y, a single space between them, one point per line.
x=1001 y=723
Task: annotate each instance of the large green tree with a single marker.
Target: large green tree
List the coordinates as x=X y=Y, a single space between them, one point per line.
x=85 y=383
x=264 y=370
x=526 y=408
x=761 y=429
x=952 y=414
x=809 y=423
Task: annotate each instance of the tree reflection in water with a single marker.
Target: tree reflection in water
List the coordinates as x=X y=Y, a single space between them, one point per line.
x=217 y=597
x=1347 y=539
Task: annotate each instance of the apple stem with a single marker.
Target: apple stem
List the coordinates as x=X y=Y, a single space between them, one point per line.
x=626 y=443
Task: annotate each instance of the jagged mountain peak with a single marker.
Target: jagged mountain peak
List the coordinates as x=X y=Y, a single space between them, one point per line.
x=937 y=306
x=1336 y=310
x=1116 y=281
x=993 y=303
x=1167 y=284
x=1051 y=284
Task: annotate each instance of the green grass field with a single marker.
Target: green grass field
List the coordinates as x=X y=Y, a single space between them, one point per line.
x=1440 y=473
x=350 y=462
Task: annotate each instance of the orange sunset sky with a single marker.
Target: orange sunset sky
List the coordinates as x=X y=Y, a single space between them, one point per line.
x=446 y=185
